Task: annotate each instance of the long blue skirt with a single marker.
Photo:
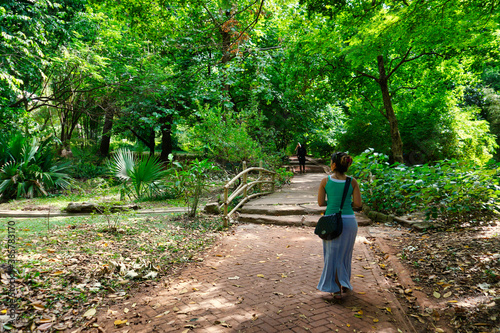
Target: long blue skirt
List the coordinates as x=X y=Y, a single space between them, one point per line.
x=338 y=256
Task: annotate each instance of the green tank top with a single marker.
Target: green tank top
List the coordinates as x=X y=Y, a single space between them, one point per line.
x=334 y=189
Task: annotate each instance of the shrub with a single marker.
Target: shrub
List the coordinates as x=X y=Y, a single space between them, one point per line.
x=224 y=136
x=189 y=180
x=456 y=191
x=28 y=168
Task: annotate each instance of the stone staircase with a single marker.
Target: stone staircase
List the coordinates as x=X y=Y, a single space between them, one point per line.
x=294 y=204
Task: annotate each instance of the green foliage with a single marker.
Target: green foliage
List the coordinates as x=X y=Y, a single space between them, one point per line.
x=28 y=168
x=190 y=179
x=141 y=177
x=283 y=177
x=223 y=135
x=452 y=190
x=86 y=164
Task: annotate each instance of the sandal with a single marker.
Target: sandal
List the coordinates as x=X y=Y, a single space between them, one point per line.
x=337 y=295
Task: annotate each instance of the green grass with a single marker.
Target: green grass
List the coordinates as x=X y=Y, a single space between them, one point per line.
x=92 y=190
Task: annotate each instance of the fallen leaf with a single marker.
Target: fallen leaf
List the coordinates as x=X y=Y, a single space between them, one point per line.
x=38 y=306
x=89 y=313
x=60 y=327
x=126 y=310
x=448 y=294
x=359 y=275
x=162 y=314
x=375 y=320
x=260 y=275
x=44 y=327
x=436 y=294
x=119 y=323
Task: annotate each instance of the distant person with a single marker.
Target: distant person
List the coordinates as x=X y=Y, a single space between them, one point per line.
x=336 y=276
x=301 y=155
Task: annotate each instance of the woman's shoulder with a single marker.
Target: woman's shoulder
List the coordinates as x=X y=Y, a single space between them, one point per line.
x=325 y=180
x=353 y=180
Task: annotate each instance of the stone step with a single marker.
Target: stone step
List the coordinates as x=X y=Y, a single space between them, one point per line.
x=281 y=210
x=293 y=220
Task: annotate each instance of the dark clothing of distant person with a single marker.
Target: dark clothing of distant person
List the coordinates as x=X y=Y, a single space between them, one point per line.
x=301 y=155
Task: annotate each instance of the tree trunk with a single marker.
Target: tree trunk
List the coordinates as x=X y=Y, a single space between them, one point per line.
x=397 y=143
x=152 y=142
x=106 y=132
x=166 y=137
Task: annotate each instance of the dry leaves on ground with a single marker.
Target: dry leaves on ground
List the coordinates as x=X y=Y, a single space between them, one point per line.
x=457 y=270
x=63 y=275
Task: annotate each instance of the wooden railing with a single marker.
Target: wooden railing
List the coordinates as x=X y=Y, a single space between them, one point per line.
x=244 y=188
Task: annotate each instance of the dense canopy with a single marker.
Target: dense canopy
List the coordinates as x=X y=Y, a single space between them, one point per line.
x=248 y=79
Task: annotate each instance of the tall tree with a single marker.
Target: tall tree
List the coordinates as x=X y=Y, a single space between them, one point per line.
x=392 y=44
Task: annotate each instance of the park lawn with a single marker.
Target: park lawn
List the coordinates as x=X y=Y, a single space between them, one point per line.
x=99 y=190
x=68 y=266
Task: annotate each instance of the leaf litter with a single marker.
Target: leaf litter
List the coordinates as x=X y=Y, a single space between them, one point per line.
x=456 y=270
x=64 y=275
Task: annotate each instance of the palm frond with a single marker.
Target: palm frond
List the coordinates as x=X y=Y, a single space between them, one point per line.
x=122 y=164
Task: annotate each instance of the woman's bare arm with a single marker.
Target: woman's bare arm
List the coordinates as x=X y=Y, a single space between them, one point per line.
x=356 y=194
x=322 y=193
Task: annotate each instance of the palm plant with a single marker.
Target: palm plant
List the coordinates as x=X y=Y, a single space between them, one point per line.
x=28 y=168
x=141 y=177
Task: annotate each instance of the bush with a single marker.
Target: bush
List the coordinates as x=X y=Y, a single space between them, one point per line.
x=190 y=180
x=28 y=168
x=86 y=164
x=453 y=190
x=223 y=136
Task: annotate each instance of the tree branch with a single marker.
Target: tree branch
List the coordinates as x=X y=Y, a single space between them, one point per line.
x=366 y=75
x=409 y=88
x=253 y=23
x=400 y=63
x=373 y=106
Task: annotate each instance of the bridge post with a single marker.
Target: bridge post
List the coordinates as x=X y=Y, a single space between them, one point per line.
x=260 y=175
x=273 y=185
x=226 y=222
x=244 y=179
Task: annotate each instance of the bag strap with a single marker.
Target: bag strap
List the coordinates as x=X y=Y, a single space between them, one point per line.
x=346 y=189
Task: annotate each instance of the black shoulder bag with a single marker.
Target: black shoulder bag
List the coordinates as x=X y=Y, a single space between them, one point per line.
x=330 y=226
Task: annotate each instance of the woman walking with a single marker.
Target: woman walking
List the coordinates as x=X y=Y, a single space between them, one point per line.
x=336 y=276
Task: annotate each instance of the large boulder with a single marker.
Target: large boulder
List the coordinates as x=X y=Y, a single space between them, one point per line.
x=212 y=208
